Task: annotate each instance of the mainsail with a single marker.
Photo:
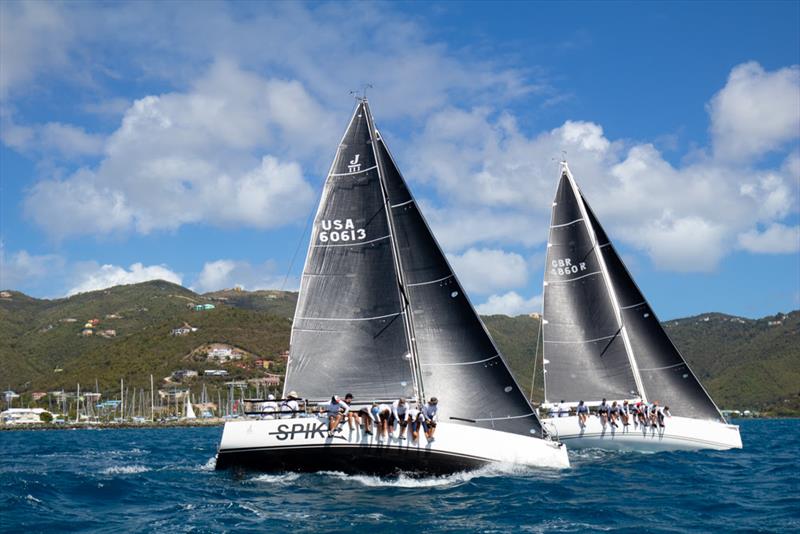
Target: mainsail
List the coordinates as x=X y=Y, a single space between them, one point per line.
x=381 y=313
x=601 y=338
x=348 y=333
x=584 y=350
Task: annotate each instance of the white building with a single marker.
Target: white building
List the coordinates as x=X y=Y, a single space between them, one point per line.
x=22 y=416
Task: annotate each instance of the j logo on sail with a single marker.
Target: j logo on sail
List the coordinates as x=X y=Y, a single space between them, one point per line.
x=354 y=165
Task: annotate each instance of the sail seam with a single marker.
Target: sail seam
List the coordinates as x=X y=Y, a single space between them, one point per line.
x=401 y=204
x=431 y=282
x=354 y=243
x=458 y=363
x=352 y=173
x=348 y=318
x=566 y=224
x=573 y=279
x=582 y=341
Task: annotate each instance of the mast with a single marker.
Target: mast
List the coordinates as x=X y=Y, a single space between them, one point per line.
x=409 y=321
x=152 y=401
x=607 y=279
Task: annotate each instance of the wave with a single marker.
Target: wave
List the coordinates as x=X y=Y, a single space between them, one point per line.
x=281 y=478
x=125 y=470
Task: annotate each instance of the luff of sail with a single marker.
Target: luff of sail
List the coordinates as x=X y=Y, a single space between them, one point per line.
x=664 y=373
x=584 y=350
x=459 y=362
x=348 y=333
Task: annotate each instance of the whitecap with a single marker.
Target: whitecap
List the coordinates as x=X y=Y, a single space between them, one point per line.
x=32 y=498
x=282 y=478
x=125 y=470
x=210 y=465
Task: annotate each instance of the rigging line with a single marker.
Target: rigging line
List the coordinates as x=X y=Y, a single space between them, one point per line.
x=300 y=242
x=536 y=358
x=390 y=323
x=401 y=204
x=602 y=352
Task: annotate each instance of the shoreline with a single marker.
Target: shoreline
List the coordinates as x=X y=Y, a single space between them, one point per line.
x=216 y=421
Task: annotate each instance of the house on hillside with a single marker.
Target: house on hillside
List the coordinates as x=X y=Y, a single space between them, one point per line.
x=5 y=294
x=269 y=381
x=262 y=363
x=203 y=307
x=37 y=395
x=183 y=374
x=215 y=372
x=86 y=332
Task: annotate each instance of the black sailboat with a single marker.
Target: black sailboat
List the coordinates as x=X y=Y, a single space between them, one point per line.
x=382 y=315
x=602 y=340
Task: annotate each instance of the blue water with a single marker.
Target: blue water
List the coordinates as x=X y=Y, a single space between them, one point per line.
x=162 y=480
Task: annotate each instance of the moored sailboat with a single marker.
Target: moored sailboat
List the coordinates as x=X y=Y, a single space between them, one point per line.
x=602 y=341
x=382 y=315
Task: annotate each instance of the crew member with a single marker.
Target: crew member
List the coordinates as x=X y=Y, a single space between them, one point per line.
x=290 y=406
x=399 y=410
x=337 y=409
x=583 y=414
x=430 y=415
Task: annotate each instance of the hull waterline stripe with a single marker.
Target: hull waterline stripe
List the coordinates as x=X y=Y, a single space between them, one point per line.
x=581 y=340
x=637 y=437
x=409 y=449
x=572 y=279
x=402 y=203
x=459 y=363
x=353 y=243
x=431 y=282
x=566 y=224
x=348 y=318
x=352 y=173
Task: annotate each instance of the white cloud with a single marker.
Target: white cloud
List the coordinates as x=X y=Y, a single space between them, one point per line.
x=510 y=304
x=21 y=269
x=756 y=112
x=224 y=274
x=776 y=239
x=483 y=271
x=92 y=276
x=183 y=158
x=49 y=140
x=496 y=185
x=34 y=37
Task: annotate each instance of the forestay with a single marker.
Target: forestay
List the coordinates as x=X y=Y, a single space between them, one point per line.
x=348 y=333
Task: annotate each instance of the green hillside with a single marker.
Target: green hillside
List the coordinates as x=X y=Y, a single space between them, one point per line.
x=744 y=363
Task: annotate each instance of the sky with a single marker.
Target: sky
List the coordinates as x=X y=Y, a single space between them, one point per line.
x=189 y=141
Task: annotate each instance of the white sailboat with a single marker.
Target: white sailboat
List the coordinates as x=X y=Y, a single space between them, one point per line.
x=189 y=410
x=602 y=340
x=381 y=315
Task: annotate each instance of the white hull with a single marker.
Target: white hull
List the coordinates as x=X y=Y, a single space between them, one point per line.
x=679 y=434
x=303 y=445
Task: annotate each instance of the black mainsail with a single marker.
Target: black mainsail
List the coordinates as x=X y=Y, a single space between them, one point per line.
x=381 y=313
x=348 y=333
x=601 y=338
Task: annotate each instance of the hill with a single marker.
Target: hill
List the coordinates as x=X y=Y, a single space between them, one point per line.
x=44 y=344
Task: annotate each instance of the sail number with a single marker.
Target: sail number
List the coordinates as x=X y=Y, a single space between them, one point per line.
x=340 y=230
x=564 y=266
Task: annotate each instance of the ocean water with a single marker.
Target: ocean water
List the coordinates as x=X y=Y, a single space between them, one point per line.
x=162 y=480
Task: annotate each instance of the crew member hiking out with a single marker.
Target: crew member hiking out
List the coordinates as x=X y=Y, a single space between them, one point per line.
x=337 y=409
x=430 y=416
